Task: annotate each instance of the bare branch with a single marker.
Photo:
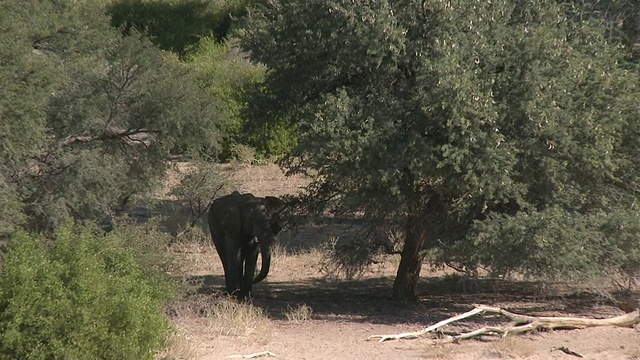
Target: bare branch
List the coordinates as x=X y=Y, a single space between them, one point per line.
x=198 y=215
x=251 y=356
x=520 y=324
x=133 y=135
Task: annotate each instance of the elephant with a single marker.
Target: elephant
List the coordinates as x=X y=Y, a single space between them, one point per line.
x=240 y=226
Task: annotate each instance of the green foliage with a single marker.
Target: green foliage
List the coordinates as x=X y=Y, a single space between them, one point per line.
x=575 y=244
x=90 y=118
x=619 y=19
x=149 y=246
x=552 y=239
x=11 y=209
x=273 y=139
x=619 y=242
x=82 y=296
x=175 y=25
x=351 y=258
x=479 y=125
x=226 y=74
x=26 y=82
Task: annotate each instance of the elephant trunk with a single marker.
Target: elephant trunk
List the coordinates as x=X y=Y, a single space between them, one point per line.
x=266 y=263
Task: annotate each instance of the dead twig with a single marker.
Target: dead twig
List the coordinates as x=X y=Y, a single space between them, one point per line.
x=252 y=356
x=519 y=324
x=567 y=351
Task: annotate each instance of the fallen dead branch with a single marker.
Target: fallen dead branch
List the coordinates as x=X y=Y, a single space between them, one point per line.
x=567 y=351
x=519 y=324
x=252 y=356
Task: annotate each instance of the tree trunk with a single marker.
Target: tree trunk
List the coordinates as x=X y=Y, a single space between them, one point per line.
x=405 y=284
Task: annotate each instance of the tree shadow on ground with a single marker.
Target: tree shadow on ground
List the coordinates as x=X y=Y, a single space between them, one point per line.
x=369 y=300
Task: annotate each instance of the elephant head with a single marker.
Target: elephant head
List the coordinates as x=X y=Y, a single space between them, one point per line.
x=243 y=225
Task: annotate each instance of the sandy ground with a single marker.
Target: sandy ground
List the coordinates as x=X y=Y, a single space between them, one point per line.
x=346 y=312
x=344 y=341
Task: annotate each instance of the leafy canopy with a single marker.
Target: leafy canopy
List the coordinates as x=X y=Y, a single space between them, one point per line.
x=508 y=129
x=89 y=117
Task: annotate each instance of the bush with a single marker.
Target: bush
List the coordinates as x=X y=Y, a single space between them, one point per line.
x=226 y=74
x=175 y=25
x=81 y=296
x=273 y=139
x=554 y=243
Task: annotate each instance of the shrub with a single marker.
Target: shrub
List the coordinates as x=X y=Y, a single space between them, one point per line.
x=226 y=74
x=298 y=314
x=273 y=139
x=81 y=296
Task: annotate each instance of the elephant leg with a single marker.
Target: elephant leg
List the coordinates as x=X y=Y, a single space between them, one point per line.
x=250 y=256
x=233 y=265
x=220 y=241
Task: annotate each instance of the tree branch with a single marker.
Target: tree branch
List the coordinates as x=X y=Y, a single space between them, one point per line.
x=133 y=135
x=519 y=324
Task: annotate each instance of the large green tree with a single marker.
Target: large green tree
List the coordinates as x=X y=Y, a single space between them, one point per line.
x=500 y=134
x=88 y=118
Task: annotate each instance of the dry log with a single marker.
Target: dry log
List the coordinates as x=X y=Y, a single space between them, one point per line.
x=519 y=324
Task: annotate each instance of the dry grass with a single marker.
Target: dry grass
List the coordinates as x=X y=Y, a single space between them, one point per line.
x=279 y=251
x=439 y=351
x=295 y=265
x=214 y=326
x=298 y=314
x=207 y=318
x=174 y=175
x=196 y=255
x=231 y=318
x=178 y=347
x=264 y=180
x=260 y=180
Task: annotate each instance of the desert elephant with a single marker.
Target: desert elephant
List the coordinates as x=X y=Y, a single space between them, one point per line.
x=241 y=225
